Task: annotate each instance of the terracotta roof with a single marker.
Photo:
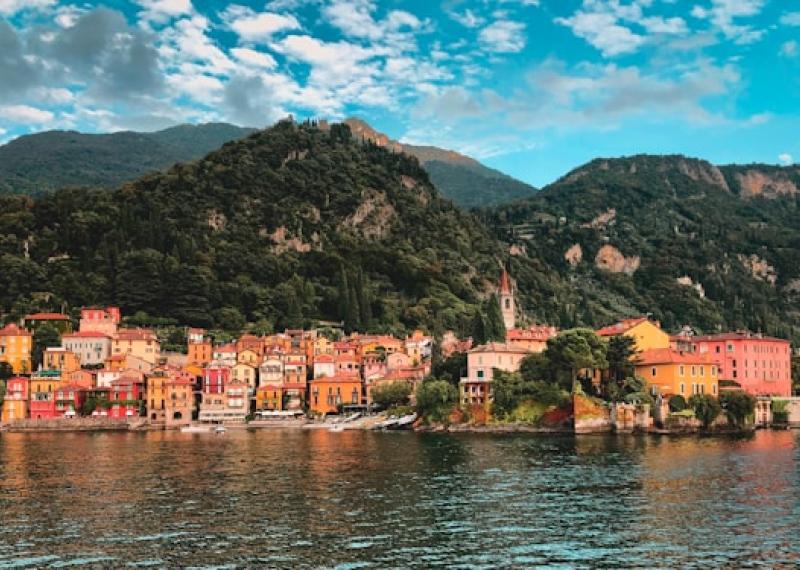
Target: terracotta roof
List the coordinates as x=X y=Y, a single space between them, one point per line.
x=733 y=336
x=350 y=379
x=135 y=334
x=86 y=334
x=230 y=347
x=669 y=356
x=269 y=387
x=538 y=332
x=47 y=317
x=322 y=358
x=12 y=329
x=498 y=347
x=620 y=327
x=505 y=283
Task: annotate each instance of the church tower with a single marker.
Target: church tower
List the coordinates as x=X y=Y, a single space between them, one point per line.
x=507 y=305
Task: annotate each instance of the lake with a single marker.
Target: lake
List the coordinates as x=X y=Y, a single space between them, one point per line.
x=316 y=499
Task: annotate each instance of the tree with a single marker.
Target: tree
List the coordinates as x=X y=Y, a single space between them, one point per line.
x=45 y=336
x=536 y=367
x=478 y=328
x=509 y=389
x=6 y=371
x=390 y=395
x=452 y=368
x=706 y=408
x=435 y=399
x=620 y=353
x=677 y=403
x=494 y=327
x=738 y=406
x=574 y=350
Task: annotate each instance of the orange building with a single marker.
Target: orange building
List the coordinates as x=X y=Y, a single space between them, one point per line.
x=269 y=398
x=60 y=359
x=15 y=405
x=669 y=373
x=328 y=394
x=532 y=339
x=199 y=352
x=15 y=348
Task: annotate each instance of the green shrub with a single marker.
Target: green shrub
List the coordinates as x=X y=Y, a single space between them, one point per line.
x=677 y=403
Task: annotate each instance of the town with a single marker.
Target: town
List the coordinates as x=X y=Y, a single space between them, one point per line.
x=104 y=370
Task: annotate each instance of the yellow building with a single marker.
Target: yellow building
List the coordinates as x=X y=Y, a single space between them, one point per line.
x=141 y=343
x=269 y=398
x=646 y=334
x=157 y=396
x=670 y=373
x=15 y=348
x=15 y=405
x=60 y=359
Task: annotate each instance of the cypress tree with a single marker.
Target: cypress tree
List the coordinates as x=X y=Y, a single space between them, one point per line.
x=494 y=328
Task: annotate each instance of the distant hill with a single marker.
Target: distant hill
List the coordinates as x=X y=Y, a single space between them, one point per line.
x=283 y=227
x=692 y=243
x=40 y=163
x=460 y=178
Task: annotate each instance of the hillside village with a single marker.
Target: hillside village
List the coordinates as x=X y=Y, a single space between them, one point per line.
x=105 y=370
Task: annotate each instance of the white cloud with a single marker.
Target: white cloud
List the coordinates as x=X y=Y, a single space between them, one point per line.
x=162 y=11
x=602 y=30
x=790 y=19
x=671 y=26
x=254 y=58
x=503 y=36
x=25 y=114
x=355 y=19
x=785 y=159
x=11 y=7
x=723 y=15
x=258 y=27
x=789 y=49
x=468 y=18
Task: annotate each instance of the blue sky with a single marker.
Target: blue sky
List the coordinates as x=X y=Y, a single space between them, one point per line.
x=532 y=87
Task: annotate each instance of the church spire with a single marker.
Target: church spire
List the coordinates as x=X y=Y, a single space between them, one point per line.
x=506 y=298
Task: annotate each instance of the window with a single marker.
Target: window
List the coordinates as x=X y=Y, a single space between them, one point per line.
x=508 y=303
x=680 y=370
x=683 y=388
x=717 y=349
x=714 y=389
x=653 y=371
x=694 y=372
x=480 y=374
x=730 y=347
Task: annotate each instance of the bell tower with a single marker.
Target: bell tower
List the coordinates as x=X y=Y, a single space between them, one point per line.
x=506 y=298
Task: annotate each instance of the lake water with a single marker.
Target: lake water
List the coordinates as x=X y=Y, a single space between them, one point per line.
x=315 y=499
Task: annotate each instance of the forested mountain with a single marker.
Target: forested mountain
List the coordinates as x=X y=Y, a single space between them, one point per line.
x=691 y=243
x=460 y=178
x=40 y=163
x=287 y=226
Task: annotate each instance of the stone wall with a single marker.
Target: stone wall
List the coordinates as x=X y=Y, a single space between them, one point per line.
x=67 y=424
x=591 y=415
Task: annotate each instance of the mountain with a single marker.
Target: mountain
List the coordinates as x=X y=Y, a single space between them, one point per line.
x=287 y=226
x=460 y=178
x=40 y=163
x=689 y=242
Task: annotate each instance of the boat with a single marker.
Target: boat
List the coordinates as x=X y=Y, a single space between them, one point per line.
x=220 y=429
x=406 y=422
x=336 y=427
x=195 y=429
x=386 y=424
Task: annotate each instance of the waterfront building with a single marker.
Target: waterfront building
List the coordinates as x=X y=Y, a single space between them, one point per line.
x=269 y=398
x=58 y=321
x=761 y=365
x=100 y=320
x=646 y=334
x=245 y=373
x=230 y=406
x=179 y=405
x=669 y=372
x=141 y=343
x=271 y=369
x=83 y=378
x=43 y=386
x=475 y=388
x=15 y=348
x=69 y=399
x=126 y=395
x=15 y=404
x=328 y=395
x=294 y=368
x=91 y=347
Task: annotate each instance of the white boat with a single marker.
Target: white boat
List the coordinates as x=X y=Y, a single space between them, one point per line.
x=405 y=422
x=220 y=430
x=195 y=429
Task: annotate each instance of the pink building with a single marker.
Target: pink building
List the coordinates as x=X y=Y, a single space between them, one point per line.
x=126 y=394
x=760 y=364
x=374 y=365
x=475 y=388
x=103 y=321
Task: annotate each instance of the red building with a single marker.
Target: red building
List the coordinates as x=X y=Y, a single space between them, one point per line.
x=215 y=378
x=761 y=365
x=69 y=400
x=125 y=396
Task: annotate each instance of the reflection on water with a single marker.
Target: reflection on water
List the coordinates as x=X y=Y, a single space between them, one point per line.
x=294 y=499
